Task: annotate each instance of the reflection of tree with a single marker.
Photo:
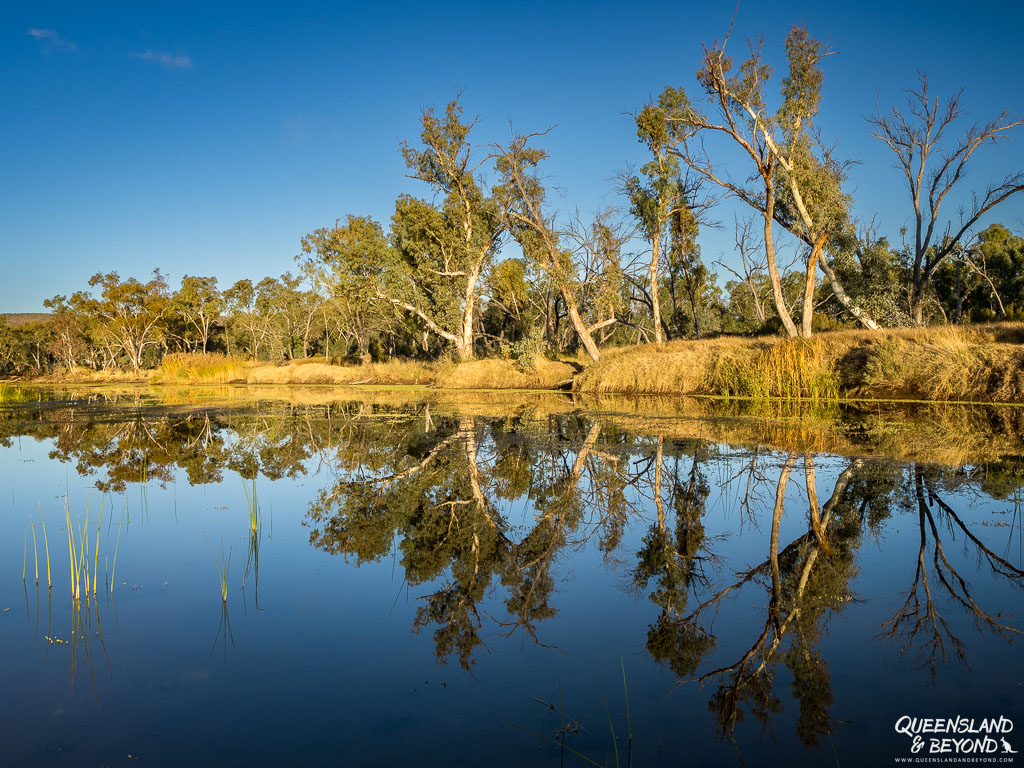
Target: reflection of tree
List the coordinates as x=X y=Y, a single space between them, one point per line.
x=438 y=498
x=805 y=581
x=140 y=445
x=919 y=621
x=672 y=559
x=482 y=508
x=143 y=448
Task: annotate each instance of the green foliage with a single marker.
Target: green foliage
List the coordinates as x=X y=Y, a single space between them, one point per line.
x=196 y=307
x=526 y=350
x=131 y=314
x=434 y=283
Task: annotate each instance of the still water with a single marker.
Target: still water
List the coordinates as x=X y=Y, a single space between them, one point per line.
x=498 y=579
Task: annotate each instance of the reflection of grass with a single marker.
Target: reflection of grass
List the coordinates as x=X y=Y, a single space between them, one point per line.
x=10 y=395
x=569 y=727
x=252 y=561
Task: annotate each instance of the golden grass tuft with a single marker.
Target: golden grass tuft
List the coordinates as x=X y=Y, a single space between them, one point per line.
x=978 y=363
x=197 y=368
x=947 y=364
x=308 y=372
x=793 y=369
x=495 y=373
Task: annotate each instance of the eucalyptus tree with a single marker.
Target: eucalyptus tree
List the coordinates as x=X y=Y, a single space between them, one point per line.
x=244 y=315
x=70 y=343
x=280 y=304
x=793 y=180
x=199 y=304
x=689 y=279
x=933 y=164
x=130 y=313
x=984 y=278
x=522 y=198
x=515 y=308
x=432 y=264
x=660 y=198
x=458 y=244
x=354 y=264
x=595 y=248
x=749 y=278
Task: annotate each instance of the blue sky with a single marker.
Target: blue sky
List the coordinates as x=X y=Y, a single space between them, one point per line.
x=207 y=138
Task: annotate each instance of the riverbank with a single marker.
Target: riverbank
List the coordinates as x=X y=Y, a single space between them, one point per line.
x=977 y=364
x=936 y=433
x=972 y=364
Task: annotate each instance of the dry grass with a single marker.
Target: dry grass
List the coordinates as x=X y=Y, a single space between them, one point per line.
x=981 y=363
x=309 y=372
x=505 y=374
x=976 y=363
x=89 y=376
x=184 y=368
x=475 y=374
x=947 y=364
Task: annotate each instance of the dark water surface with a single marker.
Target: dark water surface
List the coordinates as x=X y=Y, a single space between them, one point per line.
x=479 y=579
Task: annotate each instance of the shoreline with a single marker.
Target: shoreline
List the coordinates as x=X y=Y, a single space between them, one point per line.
x=952 y=365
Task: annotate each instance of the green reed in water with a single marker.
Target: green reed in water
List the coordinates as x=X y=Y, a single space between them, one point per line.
x=46 y=544
x=223 y=566
x=35 y=551
x=252 y=503
x=83 y=553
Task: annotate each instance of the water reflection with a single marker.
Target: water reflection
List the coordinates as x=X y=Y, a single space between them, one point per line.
x=483 y=510
x=919 y=625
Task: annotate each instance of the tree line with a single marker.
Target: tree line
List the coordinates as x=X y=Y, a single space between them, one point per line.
x=485 y=263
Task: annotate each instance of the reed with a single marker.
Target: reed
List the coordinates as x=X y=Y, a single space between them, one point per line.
x=84 y=553
x=574 y=727
x=255 y=513
x=197 y=368
x=797 y=369
x=83 y=549
x=252 y=503
x=113 y=565
x=46 y=544
x=96 y=554
x=223 y=567
x=35 y=549
x=72 y=559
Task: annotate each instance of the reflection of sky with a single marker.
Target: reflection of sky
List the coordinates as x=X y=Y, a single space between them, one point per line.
x=328 y=665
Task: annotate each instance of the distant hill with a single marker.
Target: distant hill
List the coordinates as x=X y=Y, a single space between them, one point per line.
x=24 y=318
